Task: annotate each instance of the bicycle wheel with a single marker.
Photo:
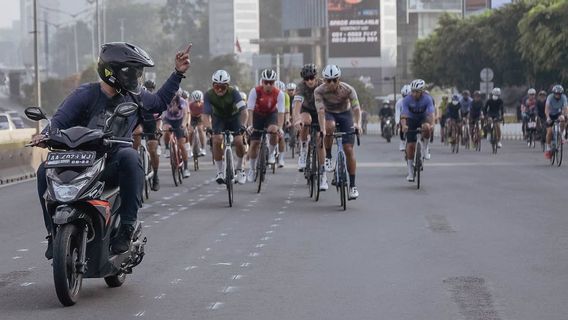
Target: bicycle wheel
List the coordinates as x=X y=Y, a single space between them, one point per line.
x=418 y=164
x=180 y=166
x=316 y=173
x=174 y=162
x=559 y=149
x=342 y=180
x=261 y=166
x=229 y=173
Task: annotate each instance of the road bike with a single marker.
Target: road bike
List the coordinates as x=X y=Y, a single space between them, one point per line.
x=262 y=159
x=145 y=161
x=493 y=135
x=176 y=158
x=341 y=174
x=531 y=131
x=465 y=134
x=312 y=171
x=229 y=164
x=476 y=137
x=195 y=147
x=556 y=147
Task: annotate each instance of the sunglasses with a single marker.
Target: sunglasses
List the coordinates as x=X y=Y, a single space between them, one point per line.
x=220 y=86
x=309 y=78
x=267 y=82
x=331 y=80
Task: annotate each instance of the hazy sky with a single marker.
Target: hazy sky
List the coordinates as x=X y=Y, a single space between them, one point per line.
x=10 y=12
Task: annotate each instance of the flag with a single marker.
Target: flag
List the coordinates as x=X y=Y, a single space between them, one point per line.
x=238 y=46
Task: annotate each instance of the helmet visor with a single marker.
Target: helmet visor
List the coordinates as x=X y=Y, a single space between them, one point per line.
x=131 y=78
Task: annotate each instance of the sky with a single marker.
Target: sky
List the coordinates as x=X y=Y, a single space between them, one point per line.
x=10 y=12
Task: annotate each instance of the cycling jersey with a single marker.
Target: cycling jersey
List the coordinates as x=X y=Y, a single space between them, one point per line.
x=176 y=111
x=529 y=104
x=305 y=95
x=443 y=106
x=225 y=106
x=555 y=106
x=344 y=98
x=417 y=109
x=196 y=109
x=476 y=109
x=494 y=108
x=540 y=107
x=454 y=111
x=398 y=110
x=264 y=103
x=465 y=105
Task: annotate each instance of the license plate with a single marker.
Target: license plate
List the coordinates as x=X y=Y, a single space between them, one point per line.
x=70 y=159
x=532 y=125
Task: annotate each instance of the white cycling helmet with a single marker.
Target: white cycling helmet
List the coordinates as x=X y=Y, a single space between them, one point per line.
x=558 y=89
x=496 y=91
x=221 y=76
x=197 y=95
x=291 y=86
x=268 y=75
x=531 y=91
x=280 y=85
x=405 y=90
x=331 y=71
x=418 y=85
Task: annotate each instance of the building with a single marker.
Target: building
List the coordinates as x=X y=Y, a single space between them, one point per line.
x=240 y=25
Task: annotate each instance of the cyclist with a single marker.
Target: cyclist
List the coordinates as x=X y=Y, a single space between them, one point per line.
x=528 y=105
x=418 y=111
x=150 y=122
x=494 y=109
x=465 y=103
x=555 y=109
x=281 y=141
x=337 y=103
x=476 y=112
x=195 y=111
x=266 y=111
x=404 y=91
x=120 y=67
x=454 y=118
x=443 y=107
x=175 y=117
x=289 y=128
x=541 y=104
x=290 y=89
x=224 y=110
x=305 y=113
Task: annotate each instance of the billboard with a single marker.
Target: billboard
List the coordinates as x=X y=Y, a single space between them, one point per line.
x=353 y=28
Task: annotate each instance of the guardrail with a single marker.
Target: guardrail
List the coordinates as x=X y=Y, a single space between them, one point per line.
x=16 y=161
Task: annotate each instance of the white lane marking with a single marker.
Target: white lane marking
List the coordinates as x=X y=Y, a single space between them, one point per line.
x=269 y=232
x=245 y=264
x=176 y=194
x=182 y=208
x=237 y=277
x=16 y=258
x=254 y=201
x=218 y=240
x=140 y=314
x=254 y=254
x=175 y=281
x=23 y=250
x=165 y=218
x=229 y=289
x=156 y=221
x=284 y=207
x=26 y=284
x=250 y=205
x=202 y=258
x=289 y=201
x=265 y=238
x=147 y=226
x=216 y=305
x=245 y=210
x=278 y=219
x=276 y=225
x=208 y=249
x=173 y=213
x=190 y=268
x=44 y=242
x=224 y=264
x=160 y=296
x=223 y=234
x=156 y=215
x=167 y=198
x=260 y=245
x=193 y=188
x=31 y=268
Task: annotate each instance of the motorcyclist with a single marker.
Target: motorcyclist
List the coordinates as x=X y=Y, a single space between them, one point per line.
x=120 y=67
x=385 y=113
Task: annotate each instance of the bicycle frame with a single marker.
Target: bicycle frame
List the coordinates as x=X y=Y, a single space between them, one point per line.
x=341 y=173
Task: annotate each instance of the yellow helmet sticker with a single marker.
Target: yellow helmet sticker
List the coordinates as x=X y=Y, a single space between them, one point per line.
x=108 y=73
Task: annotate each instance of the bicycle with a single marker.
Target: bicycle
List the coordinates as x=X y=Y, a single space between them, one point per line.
x=145 y=161
x=262 y=159
x=229 y=166
x=556 y=145
x=465 y=134
x=195 y=148
x=493 y=136
x=341 y=174
x=176 y=160
x=455 y=136
x=541 y=130
x=312 y=171
x=418 y=157
x=476 y=136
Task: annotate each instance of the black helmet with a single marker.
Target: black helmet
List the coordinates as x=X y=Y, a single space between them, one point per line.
x=150 y=85
x=309 y=70
x=121 y=65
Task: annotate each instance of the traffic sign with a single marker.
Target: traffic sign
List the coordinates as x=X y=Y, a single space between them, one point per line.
x=486 y=74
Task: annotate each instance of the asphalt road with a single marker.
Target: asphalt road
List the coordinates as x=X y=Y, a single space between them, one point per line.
x=485 y=238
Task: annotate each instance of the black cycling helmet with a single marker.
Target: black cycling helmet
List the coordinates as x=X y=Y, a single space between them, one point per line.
x=121 y=65
x=150 y=85
x=309 y=70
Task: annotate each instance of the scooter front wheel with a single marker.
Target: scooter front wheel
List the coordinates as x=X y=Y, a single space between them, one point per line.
x=67 y=274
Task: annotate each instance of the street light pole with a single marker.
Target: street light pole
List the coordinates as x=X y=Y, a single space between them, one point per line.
x=36 y=63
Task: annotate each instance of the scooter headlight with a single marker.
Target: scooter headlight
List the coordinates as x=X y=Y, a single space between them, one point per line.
x=68 y=192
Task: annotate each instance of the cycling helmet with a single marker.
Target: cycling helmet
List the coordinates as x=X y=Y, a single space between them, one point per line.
x=291 y=86
x=466 y=93
x=531 y=91
x=417 y=85
x=221 y=76
x=121 y=65
x=557 y=89
x=280 y=85
x=185 y=94
x=496 y=91
x=309 y=70
x=268 y=75
x=477 y=93
x=542 y=93
x=455 y=99
x=150 y=85
x=197 y=95
x=331 y=71
x=405 y=90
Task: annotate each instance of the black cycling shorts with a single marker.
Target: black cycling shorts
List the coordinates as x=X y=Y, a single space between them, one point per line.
x=219 y=125
x=313 y=114
x=345 y=122
x=261 y=122
x=195 y=121
x=414 y=124
x=176 y=127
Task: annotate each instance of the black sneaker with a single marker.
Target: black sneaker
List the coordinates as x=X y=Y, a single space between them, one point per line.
x=155 y=183
x=49 y=250
x=121 y=243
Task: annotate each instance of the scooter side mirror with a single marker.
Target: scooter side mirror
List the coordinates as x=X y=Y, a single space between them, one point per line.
x=126 y=109
x=35 y=114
